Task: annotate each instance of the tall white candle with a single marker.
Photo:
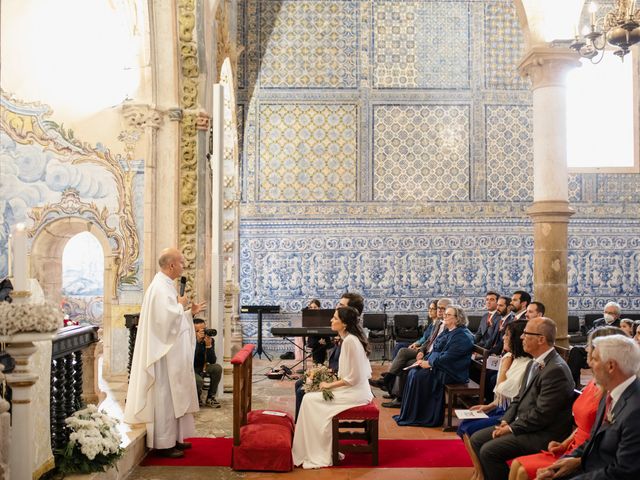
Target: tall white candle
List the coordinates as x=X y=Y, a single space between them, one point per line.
x=229 y=269
x=19 y=247
x=10 y=257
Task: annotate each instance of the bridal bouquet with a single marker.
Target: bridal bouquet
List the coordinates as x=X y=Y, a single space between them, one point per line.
x=94 y=442
x=315 y=376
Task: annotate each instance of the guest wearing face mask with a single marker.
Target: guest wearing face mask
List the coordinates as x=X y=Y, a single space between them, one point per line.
x=578 y=354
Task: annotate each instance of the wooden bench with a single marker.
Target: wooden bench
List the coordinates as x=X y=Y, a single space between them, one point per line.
x=454 y=392
x=261 y=439
x=364 y=419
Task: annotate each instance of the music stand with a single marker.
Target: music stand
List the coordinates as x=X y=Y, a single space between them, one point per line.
x=260 y=309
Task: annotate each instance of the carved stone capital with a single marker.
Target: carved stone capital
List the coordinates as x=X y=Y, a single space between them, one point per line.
x=202 y=120
x=547 y=67
x=175 y=114
x=139 y=116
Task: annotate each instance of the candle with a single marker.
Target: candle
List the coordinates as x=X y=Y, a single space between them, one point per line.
x=593 y=8
x=10 y=256
x=19 y=248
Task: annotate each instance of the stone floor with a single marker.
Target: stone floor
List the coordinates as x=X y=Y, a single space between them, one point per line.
x=278 y=394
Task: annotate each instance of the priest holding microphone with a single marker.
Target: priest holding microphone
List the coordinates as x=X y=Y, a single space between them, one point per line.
x=162 y=388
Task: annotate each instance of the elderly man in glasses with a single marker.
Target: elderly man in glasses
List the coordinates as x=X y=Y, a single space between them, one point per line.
x=540 y=413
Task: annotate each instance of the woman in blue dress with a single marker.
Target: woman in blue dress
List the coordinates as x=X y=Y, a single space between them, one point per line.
x=448 y=362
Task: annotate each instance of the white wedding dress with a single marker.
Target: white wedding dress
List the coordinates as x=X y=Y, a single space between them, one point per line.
x=312 y=438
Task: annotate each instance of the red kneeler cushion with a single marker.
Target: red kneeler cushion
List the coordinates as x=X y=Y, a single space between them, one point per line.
x=263 y=447
x=258 y=417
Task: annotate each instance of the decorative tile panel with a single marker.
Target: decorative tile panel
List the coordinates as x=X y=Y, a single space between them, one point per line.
x=420 y=44
x=421 y=152
x=308 y=44
x=503 y=46
x=618 y=188
x=402 y=263
x=509 y=144
x=308 y=152
x=575 y=187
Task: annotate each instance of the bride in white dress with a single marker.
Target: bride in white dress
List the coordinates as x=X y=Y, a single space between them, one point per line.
x=313 y=436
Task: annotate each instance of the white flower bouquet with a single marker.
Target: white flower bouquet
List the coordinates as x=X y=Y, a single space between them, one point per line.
x=94 y=442
x=315 y=376
x=29 y=317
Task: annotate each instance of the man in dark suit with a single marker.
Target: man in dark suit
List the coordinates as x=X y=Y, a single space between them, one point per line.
x=486 y=334
x=578 y=354
x=613 y=450
x=541 y=411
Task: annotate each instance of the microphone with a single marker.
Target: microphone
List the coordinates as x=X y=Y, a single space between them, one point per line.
x=183 y=283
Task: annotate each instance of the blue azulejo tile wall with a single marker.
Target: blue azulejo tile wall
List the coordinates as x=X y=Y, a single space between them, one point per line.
x=387 y=148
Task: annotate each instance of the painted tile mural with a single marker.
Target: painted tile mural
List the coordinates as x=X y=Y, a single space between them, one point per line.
x=420 y=44
x=308 y=152
x=308 y=43
x=421 y=152
x=509 y=143
x=504 y=47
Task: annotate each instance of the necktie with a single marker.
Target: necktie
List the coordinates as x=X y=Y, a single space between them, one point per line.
x=535 y=368
x=490 y=319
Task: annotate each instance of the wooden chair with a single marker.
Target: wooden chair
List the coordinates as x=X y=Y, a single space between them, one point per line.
x=365 y=420
x=454 y=392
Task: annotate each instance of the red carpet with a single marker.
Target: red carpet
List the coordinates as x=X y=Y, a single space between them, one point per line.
x=205 y=452
x=216 y=452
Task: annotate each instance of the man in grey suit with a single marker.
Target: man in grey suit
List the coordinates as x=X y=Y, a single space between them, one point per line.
x=541 y=411
x=613 y=450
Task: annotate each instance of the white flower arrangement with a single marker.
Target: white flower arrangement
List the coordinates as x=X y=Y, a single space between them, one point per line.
x=94 y=442
x=29 y=317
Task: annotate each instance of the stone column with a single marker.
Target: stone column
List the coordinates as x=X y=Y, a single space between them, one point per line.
x=91 y=392
x=547 y=68
x=22 y=453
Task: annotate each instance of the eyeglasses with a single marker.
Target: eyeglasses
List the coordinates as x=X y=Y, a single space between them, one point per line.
x=450 y=315
x=432 y=308
x=441 y=308
x=532 y=333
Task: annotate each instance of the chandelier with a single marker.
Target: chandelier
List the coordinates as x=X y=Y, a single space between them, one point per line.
x=620 y=28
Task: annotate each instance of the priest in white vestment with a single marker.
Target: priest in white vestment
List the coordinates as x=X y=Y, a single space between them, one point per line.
x=313 y=435
x=162 y=389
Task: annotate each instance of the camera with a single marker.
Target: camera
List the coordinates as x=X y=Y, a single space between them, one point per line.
x=210 y=332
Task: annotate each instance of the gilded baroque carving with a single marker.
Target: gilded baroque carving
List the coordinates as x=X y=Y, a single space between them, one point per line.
x=31 y=127
x=227 y=247
x=228 y=225
x=202 y=120
x=190 y=123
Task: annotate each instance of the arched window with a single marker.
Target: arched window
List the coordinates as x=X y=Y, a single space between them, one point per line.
x=83 y=279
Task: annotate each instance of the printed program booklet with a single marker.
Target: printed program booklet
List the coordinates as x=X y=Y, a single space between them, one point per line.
x=470 y=414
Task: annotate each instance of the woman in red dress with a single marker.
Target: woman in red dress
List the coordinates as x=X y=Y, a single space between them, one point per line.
x=584 y=415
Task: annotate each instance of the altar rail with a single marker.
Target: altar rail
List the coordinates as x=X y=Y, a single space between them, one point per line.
x=67 y=363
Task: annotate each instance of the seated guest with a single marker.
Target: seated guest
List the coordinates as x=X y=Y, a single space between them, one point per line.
x=348 y=299
x=520 y=300
x=432 y=316
x=506 y=317
x=393 y=381
x=510 y=373
x=584 y=414
x=613 y=448
x=541 y=411
x=318 y=345
x=423 y=396
x=578 y=355
x=485 y=336
x=636 y=331
x=626 y=324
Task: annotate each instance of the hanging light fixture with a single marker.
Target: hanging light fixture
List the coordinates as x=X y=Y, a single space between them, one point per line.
x=619 y=28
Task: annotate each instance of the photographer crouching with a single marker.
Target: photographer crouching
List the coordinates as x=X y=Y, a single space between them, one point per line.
x=208 y=372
